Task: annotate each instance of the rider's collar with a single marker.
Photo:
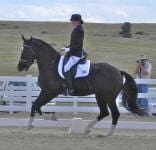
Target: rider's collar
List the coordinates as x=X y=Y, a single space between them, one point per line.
x=75 y=26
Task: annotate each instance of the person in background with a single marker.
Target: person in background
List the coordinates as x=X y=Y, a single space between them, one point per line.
x=143 y=71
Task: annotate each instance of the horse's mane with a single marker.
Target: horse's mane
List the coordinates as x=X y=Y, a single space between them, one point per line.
x=43 y=44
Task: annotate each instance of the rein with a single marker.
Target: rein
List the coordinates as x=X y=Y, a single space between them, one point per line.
x=57 y=54
x=53 y=61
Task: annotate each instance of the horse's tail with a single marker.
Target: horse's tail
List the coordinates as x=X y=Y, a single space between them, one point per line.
x=129 y=95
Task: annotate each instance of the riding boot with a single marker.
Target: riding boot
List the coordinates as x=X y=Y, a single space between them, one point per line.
x=69 y=82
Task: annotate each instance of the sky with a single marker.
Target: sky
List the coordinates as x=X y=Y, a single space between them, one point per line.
x=97 y=11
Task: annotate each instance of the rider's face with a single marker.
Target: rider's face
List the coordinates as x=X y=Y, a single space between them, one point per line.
x=75 y=23
x=144 y=62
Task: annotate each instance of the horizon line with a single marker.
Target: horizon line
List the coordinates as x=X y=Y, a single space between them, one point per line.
x=1 y=20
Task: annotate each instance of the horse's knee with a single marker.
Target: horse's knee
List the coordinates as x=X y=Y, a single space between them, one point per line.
x=35 y=108
x=102 y=115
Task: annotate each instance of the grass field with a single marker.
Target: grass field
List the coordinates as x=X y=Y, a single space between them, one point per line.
x=102 y=43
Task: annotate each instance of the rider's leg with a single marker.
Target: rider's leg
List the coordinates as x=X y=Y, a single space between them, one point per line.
x=68 y=77
x=71 y=62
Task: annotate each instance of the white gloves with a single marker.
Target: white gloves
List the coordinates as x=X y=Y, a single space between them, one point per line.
x=65 y=49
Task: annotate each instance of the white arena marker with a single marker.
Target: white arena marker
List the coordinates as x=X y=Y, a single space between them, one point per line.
x=76 y=126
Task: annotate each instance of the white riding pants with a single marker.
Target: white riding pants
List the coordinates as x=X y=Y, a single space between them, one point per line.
x=71 y=62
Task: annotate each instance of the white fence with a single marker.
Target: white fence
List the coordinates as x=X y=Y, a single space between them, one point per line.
x=20 y=92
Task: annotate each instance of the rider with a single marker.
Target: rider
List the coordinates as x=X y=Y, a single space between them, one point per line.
x=75 y=49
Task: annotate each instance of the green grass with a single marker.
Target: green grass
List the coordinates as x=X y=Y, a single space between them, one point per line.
x=102 y=43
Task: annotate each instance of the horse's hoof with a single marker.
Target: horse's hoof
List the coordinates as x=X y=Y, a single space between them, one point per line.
x=29 y=127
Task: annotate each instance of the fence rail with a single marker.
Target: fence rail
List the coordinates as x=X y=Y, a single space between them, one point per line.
x=20 y=92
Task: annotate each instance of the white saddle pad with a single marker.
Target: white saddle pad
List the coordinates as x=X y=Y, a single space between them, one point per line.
x=82 y=69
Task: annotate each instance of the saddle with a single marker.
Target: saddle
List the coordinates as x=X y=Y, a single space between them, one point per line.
x=81 y=69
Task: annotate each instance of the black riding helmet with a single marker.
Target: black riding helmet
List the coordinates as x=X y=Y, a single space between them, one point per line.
x=76 y=17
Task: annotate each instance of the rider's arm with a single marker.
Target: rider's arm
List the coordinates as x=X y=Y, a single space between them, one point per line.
x=76 y=43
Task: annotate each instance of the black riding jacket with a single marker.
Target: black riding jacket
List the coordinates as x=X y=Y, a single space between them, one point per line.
x=76 y=42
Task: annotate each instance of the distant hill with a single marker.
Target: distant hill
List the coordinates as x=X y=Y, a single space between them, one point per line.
x=102 y=43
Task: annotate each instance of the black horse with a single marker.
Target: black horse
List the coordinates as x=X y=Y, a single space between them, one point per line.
x=104 y=80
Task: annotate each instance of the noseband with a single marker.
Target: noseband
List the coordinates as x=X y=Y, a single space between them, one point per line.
x=30 y=61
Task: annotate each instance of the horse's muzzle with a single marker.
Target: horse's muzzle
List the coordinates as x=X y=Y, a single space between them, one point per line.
x=22 y=66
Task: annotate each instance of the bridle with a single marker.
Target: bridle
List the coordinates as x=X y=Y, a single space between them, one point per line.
x=30 y=61
x=33 y=61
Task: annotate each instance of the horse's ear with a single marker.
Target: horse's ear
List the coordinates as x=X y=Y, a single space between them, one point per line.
x=23 y=37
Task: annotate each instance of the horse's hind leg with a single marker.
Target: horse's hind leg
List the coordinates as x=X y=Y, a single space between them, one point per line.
x=103 y=112
x=115 y=115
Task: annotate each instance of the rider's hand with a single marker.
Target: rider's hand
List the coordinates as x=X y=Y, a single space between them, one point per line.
x=65 y=49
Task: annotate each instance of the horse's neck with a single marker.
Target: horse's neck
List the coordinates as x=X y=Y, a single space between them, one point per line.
x=45 y=60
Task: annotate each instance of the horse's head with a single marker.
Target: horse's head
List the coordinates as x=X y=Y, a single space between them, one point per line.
x=27 y=56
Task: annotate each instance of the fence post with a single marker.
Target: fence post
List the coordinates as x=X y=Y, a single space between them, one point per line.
x=29 y=93
x=150 y=109
x=75 y=105
x=11 y=99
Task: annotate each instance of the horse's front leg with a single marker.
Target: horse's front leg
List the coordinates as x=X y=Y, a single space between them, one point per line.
x=43 y=99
